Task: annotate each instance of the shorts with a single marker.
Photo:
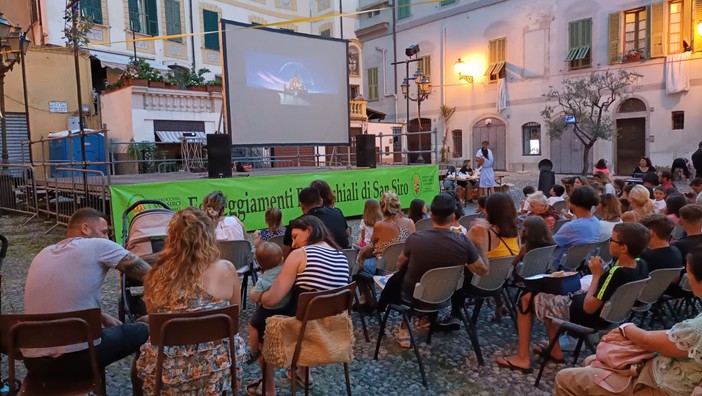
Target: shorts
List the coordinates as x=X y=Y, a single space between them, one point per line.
x=552 y=305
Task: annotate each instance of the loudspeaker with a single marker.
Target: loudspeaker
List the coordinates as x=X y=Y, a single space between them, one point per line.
x=365 y=151
x=219 y=156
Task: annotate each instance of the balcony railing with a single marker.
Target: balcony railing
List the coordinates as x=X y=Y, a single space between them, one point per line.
x=358 y=109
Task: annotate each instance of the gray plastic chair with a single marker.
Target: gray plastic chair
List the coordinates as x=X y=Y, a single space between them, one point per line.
x=604 y=251
x=558 y=225
x=466 y=220
x=615 y=311
x=560 y=205
x=535 y=262
x=239 y=253
x=678 y=232
x=660 y=280
x=576 y=254
x=423 y=224
x=352 y=257
x=388 y=261
x=278 y=240
x=432 y=293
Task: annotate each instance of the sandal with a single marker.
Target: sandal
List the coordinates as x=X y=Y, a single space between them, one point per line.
x=511 y=366
x=300 y=380
x=541 y=351
x=252 y=388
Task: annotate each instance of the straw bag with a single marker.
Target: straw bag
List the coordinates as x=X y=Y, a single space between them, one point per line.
x=327 y=340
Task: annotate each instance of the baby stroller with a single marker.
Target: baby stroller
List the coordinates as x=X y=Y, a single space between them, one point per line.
x=144 y=237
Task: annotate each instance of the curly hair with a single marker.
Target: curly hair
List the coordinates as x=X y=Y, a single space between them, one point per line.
x=390 y=204
x=214 y=202
x=189 y=250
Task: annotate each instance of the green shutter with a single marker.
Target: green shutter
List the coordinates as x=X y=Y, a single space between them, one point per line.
x=447 y=2
x=211 y=24
x=173 y=19
x=373 y=84
x=91 y=10
x=614 y=36
x=134 y=23
x=151 y=18
x=403 y=9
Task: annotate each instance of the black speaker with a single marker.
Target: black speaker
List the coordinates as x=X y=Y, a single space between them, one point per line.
x=219 y=156
x=365 y=151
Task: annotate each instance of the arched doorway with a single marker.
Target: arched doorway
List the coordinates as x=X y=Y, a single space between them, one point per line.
x=413 y=141
x=630 y=137
x=494 y=131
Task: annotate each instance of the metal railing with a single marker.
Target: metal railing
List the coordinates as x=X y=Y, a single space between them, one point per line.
x=18 y=190
x=65 y=195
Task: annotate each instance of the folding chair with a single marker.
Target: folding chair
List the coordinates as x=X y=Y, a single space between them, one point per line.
x=424 y=224
x=535 y=262
x=352 y=257
x=432 y=293
x=604 y=251
x=615 y=311
x=467 y=220
x=678 y=232
x=388 y=261
x=313 y=306
x=239 y=253
x=54 y=330
x=558 y=206
x=651 y=294
x=575 y=255
x=192 y=328
x=558 y=225
x=278 y=240
x=687 y=305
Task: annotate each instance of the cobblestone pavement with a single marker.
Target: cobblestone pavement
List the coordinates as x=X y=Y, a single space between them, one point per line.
x=450 y=362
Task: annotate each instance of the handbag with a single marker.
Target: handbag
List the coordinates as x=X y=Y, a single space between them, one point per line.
x=327 y=340
x=620 y=362
x=559 y=283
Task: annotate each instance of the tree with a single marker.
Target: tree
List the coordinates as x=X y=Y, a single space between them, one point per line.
x=446 y=112
x=588 y=100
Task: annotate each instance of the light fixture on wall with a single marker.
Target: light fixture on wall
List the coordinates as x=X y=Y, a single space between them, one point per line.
x=461 y=68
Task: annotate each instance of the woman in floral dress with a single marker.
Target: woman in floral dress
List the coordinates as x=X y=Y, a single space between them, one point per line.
x=189 y=276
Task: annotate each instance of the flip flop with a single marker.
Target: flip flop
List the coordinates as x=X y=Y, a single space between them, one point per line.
x=252 y=388
x=511 y=366
x=300 y=380
x=541 y=351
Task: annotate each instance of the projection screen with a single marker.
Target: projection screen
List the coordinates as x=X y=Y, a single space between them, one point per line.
x=284 y=88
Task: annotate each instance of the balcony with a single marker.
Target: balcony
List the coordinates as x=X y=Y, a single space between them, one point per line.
x=358 y=109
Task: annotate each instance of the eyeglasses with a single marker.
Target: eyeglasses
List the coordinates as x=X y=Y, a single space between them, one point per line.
x=615 y=241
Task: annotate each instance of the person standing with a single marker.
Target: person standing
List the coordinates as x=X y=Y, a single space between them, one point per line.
x=485 y=159
x=697 y=160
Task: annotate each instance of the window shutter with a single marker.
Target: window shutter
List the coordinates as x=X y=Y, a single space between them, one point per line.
x=92 y=10
x=211 y=22
x=572 y=36
x=698 y=19
x=134 y=24
x=403 y=9
x=173 y=19
x=614 y=37
x=151 y=18
x=656 y=16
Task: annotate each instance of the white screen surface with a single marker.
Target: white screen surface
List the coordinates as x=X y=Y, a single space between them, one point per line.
x=284 y=88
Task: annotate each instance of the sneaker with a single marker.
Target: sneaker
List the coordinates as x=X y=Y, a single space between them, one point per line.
x=449 y=323
x=403 y=337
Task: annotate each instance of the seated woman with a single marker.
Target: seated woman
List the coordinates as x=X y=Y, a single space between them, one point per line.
x=538 y=206
x=644 y=166
x=628 y=241
x=274 y=221
x=316 y=264
x=189 y=276
x=677 y=367
x=641 y=205
x=228 y=228
x=535 y=234
x=417 y=210
x=609 y=211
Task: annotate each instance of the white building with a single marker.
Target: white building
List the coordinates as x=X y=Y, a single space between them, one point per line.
x=528 y=46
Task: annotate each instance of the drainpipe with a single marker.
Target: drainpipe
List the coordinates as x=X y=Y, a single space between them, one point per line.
x=41 y=23
x=192 y=36
x=394 y=56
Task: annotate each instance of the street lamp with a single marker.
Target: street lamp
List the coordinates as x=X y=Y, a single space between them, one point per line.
x=13 y=47
x=423 y=92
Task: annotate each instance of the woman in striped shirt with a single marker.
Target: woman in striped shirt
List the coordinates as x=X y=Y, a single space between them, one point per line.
x=316 y=264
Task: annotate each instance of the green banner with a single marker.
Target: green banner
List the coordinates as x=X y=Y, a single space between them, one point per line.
x=250 y=197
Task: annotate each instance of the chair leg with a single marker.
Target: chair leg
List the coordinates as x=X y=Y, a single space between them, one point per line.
x=432 y=324
x=578 y=347
x=381 y=332
x=416 y=350
x=362 y=316
x=476 y=311
x=547 y=354
x=244 y=287
x=473 y=335
x=510 y=308
x=348 y=379
x=264 y=368
x=293 y=379
x=307 y=381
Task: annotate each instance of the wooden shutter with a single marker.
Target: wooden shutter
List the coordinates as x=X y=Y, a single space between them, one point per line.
x=151 y=18
x=134 y=23
x=697 y=40
x=91 y=10
x=614 y=37
x=656 y=15
x=373 y=83
x=211 y=23
x=173 y=19
x=403 y=9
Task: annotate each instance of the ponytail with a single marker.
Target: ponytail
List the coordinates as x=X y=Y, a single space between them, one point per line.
x=485 y=152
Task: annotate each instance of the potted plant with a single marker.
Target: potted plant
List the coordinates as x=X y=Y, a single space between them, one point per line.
x=214 y=86
x=196 y=79
x=157 y=81
x=631 y=56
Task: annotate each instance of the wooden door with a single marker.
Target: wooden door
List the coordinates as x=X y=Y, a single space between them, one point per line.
x=567 y=154
x=631 y=144
x=494 y=132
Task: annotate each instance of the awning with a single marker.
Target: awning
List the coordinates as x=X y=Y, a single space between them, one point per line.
x=374 y=114
x=120 y=62
x=177 y=137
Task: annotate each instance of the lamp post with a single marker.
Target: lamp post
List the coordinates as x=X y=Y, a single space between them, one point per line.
x=13 y=46
x=423 y=92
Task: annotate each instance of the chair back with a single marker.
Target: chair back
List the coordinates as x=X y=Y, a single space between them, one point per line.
x=321 y=304
x=535 y=262
x=604 y=251
x=423 y=224
x=437 y=285
x=678 y=232
x=278 y=240
x=466 y=220
x=498 y=271
x=238 y=252
x=558 y=225
x=618 y=307
x=685 y=283
x=352 y=257
x=388 y=261
x=576 y=254
x=558 y=206
x=660 y=280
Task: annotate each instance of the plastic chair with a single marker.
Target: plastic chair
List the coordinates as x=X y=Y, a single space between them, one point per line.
x=576 y=255
x=678 y=232
x=615 y=311
x=466 y=220
x=313 y=306
x=54 y=330
x=278 y=240
x=558 y=206
x=432 y=293
x=423 y=224
x=558 y=225
x=660 y=280
x=388 y=261
x=191 y=328
x=535 y=262
x=604 y=251
x=239 y=253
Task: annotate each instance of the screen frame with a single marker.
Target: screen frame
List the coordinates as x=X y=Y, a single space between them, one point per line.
x=225 y=74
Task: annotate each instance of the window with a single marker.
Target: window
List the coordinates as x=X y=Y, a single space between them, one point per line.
x=403 y=9
x=635 y=31
x=372 y=13
x=424 y=65
x=91 y=10
x=325 y=33
x=447 y=2
x=531 y=138
x=173 y=19
x=579 y=41
x=496 y=59
x=211 y=24
x=457 y=136
x=675 y=28
x=678 y=119
x=143 y=16
x=372 y=84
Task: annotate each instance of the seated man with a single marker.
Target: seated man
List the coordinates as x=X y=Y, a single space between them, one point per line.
x=584 y=229
x=627 y=243
x=691 y=221
x=68 y=276
x=425 y=250
x=660 y=254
